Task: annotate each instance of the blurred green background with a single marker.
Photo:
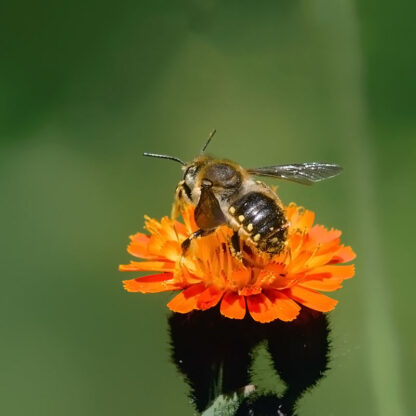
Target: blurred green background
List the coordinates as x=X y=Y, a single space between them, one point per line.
x=86 y=87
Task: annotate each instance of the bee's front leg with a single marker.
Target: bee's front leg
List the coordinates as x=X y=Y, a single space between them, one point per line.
x=198 y=233
x=179 y=200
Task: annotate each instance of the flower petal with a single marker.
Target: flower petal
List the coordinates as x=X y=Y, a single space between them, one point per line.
x=138 y=247
x=266 y=308
x=187 y=300
x=189 y=219
x=169 y=231
x=172 y=250
x=275 y=276
x=320 y=234
x=299 y=218
x=233 y=306
x=241 y=277
x=326 y=285
x=344 y=255
x=319 y=260
x=291 y=211
x=166 y=249
x=343 y=271
x=312 y=299
x=148 y=266
x=287 y=308
x=259 y=307
x=180 y=229
x=209 y=298
x=250 y=290
x=151 y=284
x=305 y=220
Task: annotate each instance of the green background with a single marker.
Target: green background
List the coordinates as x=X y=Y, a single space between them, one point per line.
x=86 y=87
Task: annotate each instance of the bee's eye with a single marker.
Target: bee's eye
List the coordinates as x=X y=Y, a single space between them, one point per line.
x=190 y=175
x=190 y=172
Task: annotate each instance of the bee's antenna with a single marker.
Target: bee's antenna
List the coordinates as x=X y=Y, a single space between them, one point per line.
x=176 y=159
x=211 y=135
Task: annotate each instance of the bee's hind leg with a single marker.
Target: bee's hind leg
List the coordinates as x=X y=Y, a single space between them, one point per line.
x=197 y=234
x=235 y=246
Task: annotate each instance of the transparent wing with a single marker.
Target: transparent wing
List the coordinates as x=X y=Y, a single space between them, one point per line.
x=305 y=173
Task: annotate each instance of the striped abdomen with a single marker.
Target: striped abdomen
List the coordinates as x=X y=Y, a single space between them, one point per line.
x=263 y=219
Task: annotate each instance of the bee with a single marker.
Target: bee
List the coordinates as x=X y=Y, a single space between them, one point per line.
x=224 y=193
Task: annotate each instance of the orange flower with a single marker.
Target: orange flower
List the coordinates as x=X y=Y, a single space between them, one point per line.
x=208 y=274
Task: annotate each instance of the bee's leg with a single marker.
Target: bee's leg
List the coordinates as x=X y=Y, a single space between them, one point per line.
x=179 y=200
x=198 y=233
x=236 y=246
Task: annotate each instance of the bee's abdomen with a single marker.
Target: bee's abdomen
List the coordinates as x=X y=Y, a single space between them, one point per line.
x=263 y=219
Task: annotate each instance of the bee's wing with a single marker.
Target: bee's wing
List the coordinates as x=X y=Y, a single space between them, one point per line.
x=305 y=173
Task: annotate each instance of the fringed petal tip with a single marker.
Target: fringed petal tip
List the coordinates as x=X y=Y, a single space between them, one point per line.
x=344 y=255
x=272 y=305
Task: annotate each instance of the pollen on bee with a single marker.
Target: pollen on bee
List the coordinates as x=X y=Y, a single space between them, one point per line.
x=274 y=240
x=256 y=237
x=232 y=210
x=271 y=228
x=241 y=218
x=250 y=227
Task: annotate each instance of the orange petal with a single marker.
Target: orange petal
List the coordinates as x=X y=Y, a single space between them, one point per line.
x=319 y=260
x=189 y=219
x=320 y=234
x=152 y=225
x=209 y=298
x=151 y=284
x=291 y=211
x=171 y=250
x=249 y=290
x=305 y=220
x=343 y=271
x=139 y=246
x=275 y=268
x=295 y=244
x=326 y=285
x=264 y=309
x=259 y=308
x=298 y=262
x=168 y=230
x=241 y=277
x=160 y=246
x=187 y=300
x=180 y=228
x=287 y=308
x=233 y=306
x=299 y=218
x=312 y=299
x=319 y=248
x=344 y=255
x=148 y=266
x=273 y=275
